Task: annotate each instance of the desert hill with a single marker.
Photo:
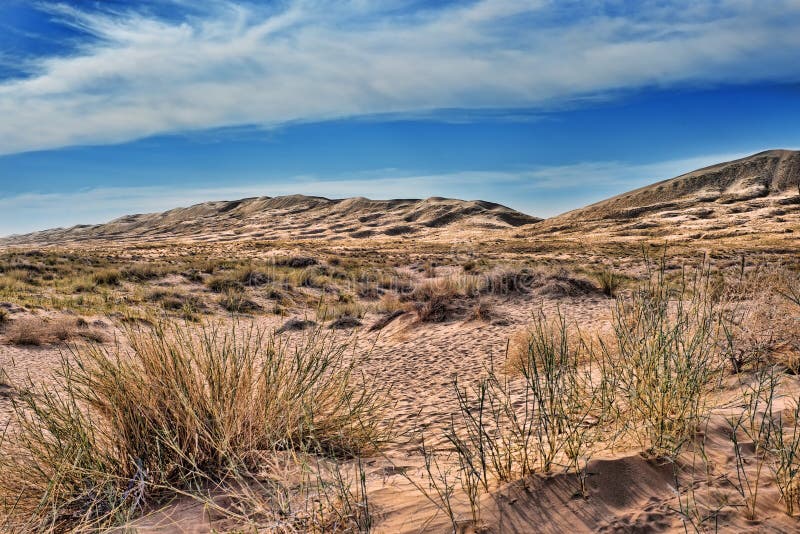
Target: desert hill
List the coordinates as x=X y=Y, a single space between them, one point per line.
x=756 y=194
x=293 y=217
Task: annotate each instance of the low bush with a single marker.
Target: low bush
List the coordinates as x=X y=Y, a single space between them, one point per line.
x=253 y=277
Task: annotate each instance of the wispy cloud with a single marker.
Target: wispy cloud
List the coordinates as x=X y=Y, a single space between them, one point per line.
x=541 y=191
x=229 y=63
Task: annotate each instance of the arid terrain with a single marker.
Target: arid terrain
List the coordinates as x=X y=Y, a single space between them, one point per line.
x=298 y=364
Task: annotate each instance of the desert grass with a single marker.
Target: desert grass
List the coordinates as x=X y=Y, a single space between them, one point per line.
x=36 y=331
x=666 y=352
x=338 y=310
x=785 y=455
x=645 y=383
x=389 y=303
x=507 y=281
x=481 y=310
x=109 y=277
x=179 y=411
x=756 y=424
x=237 y=301
x=610 y=281
x=508 y=429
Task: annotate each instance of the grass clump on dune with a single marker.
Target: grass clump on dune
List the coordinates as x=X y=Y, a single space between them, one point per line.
x=36 y=331
x=179 y=411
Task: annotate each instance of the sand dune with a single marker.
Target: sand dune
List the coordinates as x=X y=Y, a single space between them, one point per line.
x=754 y=196
x=293 y=217
x=759 y=194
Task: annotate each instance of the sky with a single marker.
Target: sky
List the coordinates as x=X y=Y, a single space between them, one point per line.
x=111 y=107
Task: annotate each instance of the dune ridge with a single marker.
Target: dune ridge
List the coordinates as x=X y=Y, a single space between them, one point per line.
x=758 y=195
x=755 y=195
x=292 y=217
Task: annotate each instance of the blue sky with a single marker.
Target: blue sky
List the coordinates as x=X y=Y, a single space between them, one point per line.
x=114 y=107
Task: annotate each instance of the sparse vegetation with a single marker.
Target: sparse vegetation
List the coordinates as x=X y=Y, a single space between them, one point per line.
x=36 y=331
x=666 y=351
x=183 y=410
x=635 y=374
x=108 y=277
x=236 y=301
x=610 y=281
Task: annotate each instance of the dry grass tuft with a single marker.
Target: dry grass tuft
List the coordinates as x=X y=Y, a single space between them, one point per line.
x=481 y=310
x=36 y=331
x=507 y=281
x=108 y=277
x=436 y=309
x=237 y=301
x=182 y=410
x=609 y=280
x=224 y=282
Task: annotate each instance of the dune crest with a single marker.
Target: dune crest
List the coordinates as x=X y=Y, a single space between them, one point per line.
x=293 y=217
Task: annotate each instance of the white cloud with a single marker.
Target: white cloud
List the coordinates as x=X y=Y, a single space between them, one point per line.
x=234 y=64
x=541 y=191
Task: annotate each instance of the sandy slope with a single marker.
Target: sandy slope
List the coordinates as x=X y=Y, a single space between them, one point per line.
x=754 y=196
x=293 y=217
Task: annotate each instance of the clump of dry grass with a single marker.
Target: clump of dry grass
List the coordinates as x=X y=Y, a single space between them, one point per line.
x=186 y=304
x=762 y=327
x=253 y=277
x=36 y=331
x=507 y=281
x=469 y=266
x=440 y=300
x=237 y=301
x=313 y=276
x=339 y=310
x=435 y=309
x=389 y=303
x=144 y=271
x=481 y=310
x=433 y=289
x=295 y=262
x=108 y=277
x=668 y=347
x=609 y=280
x=525 y=340
x=181 y=411
x=224 y=282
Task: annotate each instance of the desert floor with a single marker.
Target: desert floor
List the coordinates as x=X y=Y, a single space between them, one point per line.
x=58 y=301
